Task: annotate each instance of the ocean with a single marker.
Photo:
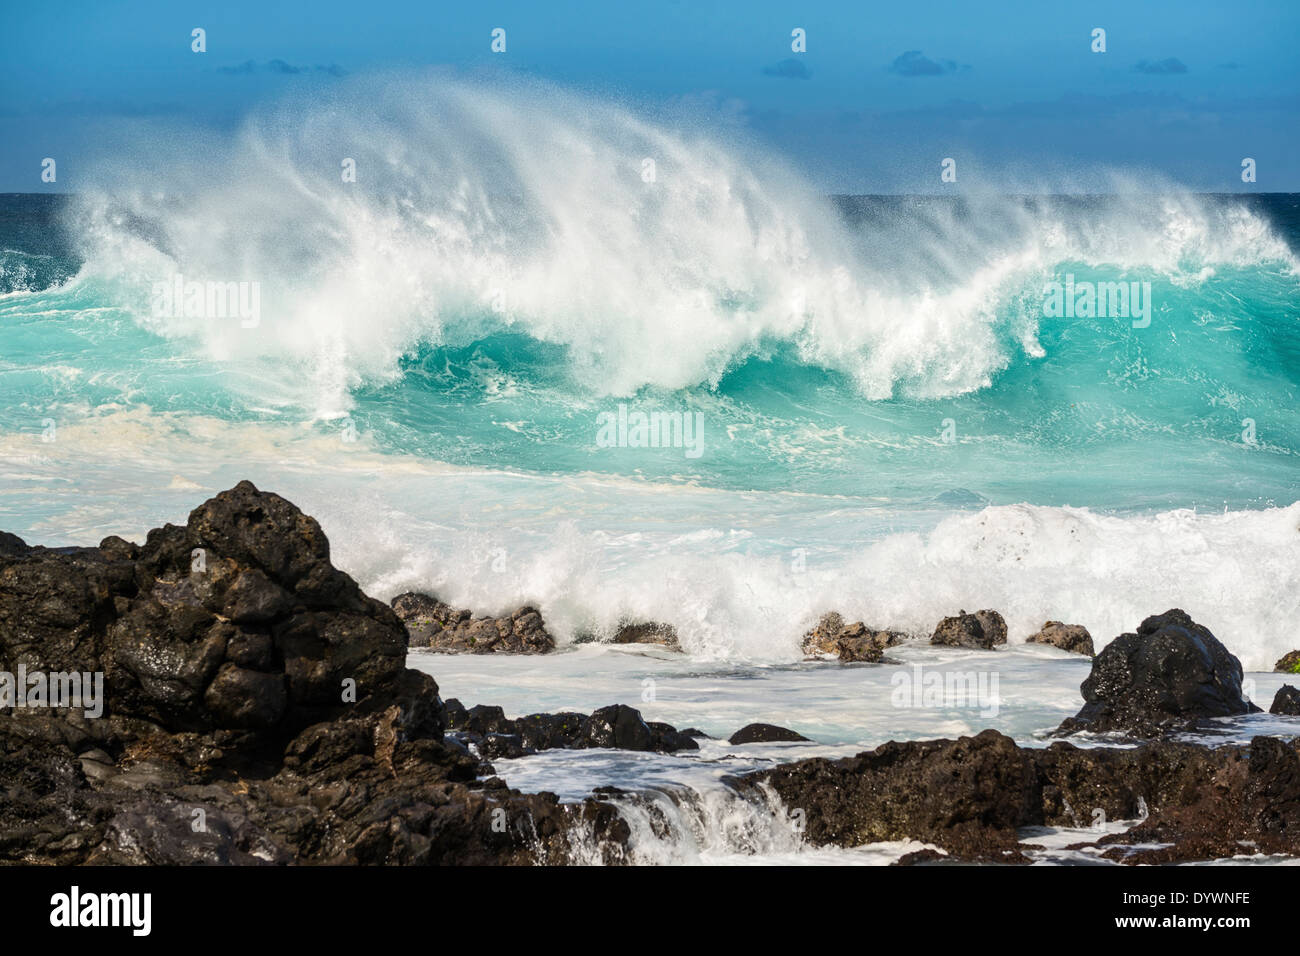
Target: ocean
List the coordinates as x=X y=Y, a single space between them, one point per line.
x=514 y=364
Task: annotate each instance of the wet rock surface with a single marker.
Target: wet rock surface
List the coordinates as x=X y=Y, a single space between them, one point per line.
x=441 y=627
x=1068 y=637
x=849 y=643
x=1171 y=675
x=970 y=797
x=1286 y=701
x=982 y=630
x=762 y=734
x=257 y=710
x=617 y=726
x=649 y=632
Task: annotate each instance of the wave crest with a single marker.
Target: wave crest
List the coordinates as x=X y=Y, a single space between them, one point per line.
x=656 y=256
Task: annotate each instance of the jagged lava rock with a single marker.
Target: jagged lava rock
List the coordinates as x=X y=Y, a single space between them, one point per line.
x=236 y=620
x=1168 y=676
x=1068 y=637
x=982 y=630
x=450 y=630
x=616 y=726
x=971 y=796
x=645 y=632
x=850 y=643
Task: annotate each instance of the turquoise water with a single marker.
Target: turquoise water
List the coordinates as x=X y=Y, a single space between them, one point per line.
x=1067 y=411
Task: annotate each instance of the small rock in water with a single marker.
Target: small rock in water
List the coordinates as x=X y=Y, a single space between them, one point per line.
x=762 y=734
x=851 y=643
x=434 y=624
x=646 y=632
x=616 y=726
x=1286 y=702
x=982 y=630
x=1068 y=637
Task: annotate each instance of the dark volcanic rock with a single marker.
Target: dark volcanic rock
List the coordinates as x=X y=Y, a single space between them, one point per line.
x=649 y=632
x=850 y=643
x=1289 y=663
x=564 y=730
x=239 y=697
x=967 y=795
x=762 y=734
x=1068 y=637
x=257 y=709
x=993 y=625
x=1247 y=801
x=970 y=796
x=1286 y=701
x=982 y=630
x=185 y=627
x=1168 y=676
x=436 y=625
x=617 y=726
x=669 y=739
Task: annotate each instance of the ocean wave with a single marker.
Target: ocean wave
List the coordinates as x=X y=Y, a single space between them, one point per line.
x=524 y=208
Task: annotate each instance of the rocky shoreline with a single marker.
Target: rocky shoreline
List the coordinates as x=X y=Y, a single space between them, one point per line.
x=257 y=709
x=969 y=797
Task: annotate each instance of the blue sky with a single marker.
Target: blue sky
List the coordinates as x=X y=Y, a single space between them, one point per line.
x=1012 y=90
